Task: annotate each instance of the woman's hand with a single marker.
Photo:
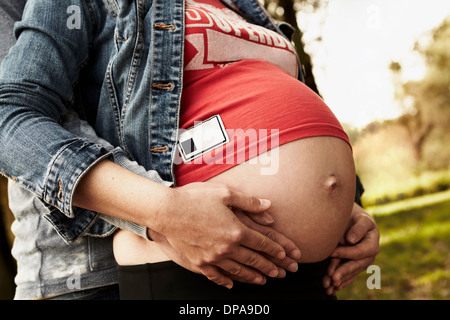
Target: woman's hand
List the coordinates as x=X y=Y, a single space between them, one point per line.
x=198 y=229
x=356 y=252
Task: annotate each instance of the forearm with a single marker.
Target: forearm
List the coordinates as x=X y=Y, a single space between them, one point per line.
x=115 y=191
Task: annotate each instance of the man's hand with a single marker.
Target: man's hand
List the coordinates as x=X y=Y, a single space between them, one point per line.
x=355 y=253
x=203 y=234
x=288 y=263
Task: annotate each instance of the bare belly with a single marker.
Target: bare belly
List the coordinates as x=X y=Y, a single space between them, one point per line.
x=311 y=183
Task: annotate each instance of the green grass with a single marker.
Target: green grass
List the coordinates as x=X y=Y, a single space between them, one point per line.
x=415 y=251
x=390 y=188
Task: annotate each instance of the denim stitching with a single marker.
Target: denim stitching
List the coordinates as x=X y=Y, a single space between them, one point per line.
x=112 y=8
x=136 y=59
x=151 y=81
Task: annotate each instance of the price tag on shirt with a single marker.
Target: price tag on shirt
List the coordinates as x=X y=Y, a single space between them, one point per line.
x=202 y=138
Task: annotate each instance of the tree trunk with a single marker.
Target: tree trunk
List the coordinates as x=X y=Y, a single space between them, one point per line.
x=290 y=17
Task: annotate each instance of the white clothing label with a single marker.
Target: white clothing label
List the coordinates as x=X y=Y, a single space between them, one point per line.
x=202 y=138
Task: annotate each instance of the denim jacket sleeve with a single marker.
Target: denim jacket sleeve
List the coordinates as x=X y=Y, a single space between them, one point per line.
x=82 y=129
x=36 y=88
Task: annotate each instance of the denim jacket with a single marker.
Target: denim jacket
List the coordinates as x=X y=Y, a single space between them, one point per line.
x=119 y=64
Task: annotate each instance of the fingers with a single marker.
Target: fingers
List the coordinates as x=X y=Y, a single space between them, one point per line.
x=245 y=259
x=233 y=250
x=350 y=270
x=244 y=265
x=254 y=246
x=363 y=246
x=223 y=272
x=341 y=274
x=257 y=209
x=334 y=263
x=366 y=248
x=262 y=218
x=292 y=251
x=362 y=224
x=245 y=262
x=327 y=281
x=241 y=273
x=213 y=274
x=250 y=238
x=247 y=202
x=363 y=236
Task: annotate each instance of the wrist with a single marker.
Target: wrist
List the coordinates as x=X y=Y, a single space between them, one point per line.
x=117 y=192
x=165 y=208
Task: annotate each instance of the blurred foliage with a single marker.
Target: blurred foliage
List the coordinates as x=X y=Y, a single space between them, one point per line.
x=385 y=161
x=427 y=101
x=405 y=162
x=410 y=156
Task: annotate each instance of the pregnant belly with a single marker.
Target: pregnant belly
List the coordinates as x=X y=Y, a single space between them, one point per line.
x=311 y=185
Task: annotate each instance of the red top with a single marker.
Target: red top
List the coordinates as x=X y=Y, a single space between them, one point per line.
x=217 y=36
x=260 y=100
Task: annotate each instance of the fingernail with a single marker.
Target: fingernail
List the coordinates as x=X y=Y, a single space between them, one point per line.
x=264 y=202
x=330 y=291
x=281 y=255
x=260 y=280
x=351 y=237
x=326 y=282
x=273 y=273
x=293 y=267
x=296 y=254
x=229 y=286
x=281 y=273
x=268 y=218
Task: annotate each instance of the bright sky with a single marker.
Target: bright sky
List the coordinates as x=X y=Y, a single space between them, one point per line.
x=359 y=40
